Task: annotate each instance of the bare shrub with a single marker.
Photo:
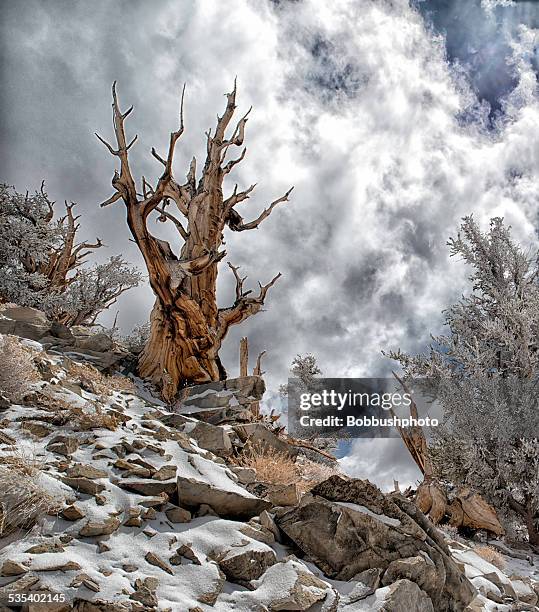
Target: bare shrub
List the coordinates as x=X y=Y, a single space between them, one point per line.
x=18 y=369
x=490 y=554
x=97 y=382
x=24 y=496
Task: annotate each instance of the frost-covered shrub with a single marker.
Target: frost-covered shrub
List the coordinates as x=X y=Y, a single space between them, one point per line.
x=42 y=264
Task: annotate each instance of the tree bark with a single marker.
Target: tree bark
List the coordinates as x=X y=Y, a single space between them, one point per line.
x=187 y=326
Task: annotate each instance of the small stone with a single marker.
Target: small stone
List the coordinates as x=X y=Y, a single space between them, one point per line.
x=146 y=598
x=12 y=568
x=245 y=475
x=129 y=567
x=132 y=468
x=100 y=500
x=92 y=585
x=151 y=583
x=72 y=513
x=46 y=547
x=154 y=501
x=40 y=430
x=186 y=551
x=84 y=485
x=205 y=510
x=178 y=515
x=102 y=547
x=242 y=567
x=80 y=470
x=154 y=559
x=65 y=538
x=98 y=528
x=70 y=566
x=150 y=514
x=63 y=445
x=167 y=472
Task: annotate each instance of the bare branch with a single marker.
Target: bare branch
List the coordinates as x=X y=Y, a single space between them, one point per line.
x=113 y=198
x=235 y=221
x=166 y=215
x=233 y=162
x=243 y=306
x=257 y=370
x=239 y=282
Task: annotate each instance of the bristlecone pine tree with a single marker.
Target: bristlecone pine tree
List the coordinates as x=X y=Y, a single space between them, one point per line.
x=187 y=327
x=43 y=265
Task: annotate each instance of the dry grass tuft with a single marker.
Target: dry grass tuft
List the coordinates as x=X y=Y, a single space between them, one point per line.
x=97 y=382
x=270 y=464
x=24 y=499
x=18 y=369
x=490 y=554
x=279 y=468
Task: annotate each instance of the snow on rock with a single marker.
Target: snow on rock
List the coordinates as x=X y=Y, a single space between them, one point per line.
x=142 y=514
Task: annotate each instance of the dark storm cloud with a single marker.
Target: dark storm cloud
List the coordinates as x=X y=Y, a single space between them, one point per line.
x=354 y=104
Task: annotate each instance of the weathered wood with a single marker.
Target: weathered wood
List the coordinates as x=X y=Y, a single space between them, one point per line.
x=244 y=357
x=187 y=327
x=414 y=437
x=469 y=509
x=466 y=509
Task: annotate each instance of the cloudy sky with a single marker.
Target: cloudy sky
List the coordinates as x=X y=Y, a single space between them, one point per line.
x=392 y=119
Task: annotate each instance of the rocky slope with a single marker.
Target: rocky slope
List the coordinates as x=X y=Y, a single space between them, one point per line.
x=147 y=508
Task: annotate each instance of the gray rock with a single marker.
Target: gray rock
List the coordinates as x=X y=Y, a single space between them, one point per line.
x=419 y=569
x=243 y=566
x=24 y=322
x=99 y=528
x=166 y=472
x=84 y=485
x=192 y=493
x=366 y=584
x=178 y=515
x=100 y=343
x=245 y=475
x=403 y=595
x=212 y=438
x=58 y=330
x=347 y=526
x=277 y=494
x=80 y=470
x=63 y=445
x=151 y=488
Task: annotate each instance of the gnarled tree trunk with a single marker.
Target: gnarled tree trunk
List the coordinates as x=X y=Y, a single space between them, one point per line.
x=187 y=327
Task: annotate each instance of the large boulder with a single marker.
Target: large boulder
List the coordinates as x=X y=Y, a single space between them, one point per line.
x=225 y=501
x=24 y=322
x=99 y=343
x=347 y=526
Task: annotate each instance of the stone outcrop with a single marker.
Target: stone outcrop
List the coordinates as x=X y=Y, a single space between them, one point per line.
x=347 y=526
x=228 y=401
